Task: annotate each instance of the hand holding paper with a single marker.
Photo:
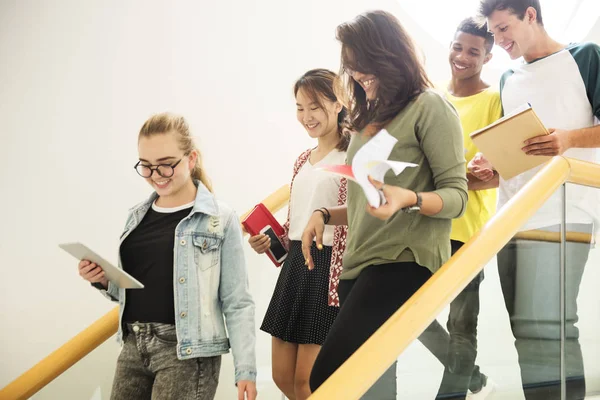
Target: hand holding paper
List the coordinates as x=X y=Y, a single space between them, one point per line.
x=395 y=197
x=372 y=160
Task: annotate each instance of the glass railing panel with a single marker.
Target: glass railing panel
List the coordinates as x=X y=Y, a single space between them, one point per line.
x=582 y=297
x=421 y=372
x=517 y=353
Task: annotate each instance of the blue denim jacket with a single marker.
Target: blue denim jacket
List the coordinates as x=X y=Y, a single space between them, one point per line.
x=210 y=283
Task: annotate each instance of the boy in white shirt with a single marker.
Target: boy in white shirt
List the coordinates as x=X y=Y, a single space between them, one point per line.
x=562 y=84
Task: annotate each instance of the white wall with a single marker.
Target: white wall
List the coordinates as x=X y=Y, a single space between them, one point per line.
x=77 y=80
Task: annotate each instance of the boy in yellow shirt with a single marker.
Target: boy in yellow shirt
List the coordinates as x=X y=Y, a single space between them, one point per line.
x=477 y=106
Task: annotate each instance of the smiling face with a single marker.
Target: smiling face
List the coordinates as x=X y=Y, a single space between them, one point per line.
x=318 y=121
x=468 y=55
x=163 y=149
x=517 y=37
x=368 y=82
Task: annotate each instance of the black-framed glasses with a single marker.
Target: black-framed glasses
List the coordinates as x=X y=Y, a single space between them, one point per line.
x=164 y=170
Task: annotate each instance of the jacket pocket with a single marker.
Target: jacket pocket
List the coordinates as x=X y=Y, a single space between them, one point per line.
x=206 y=251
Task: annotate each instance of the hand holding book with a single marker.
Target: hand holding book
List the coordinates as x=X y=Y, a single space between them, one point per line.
x=554 y=144
x=505 y=142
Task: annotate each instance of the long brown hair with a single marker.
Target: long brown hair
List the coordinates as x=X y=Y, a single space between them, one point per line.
x=167 y=122
x=319 y=84
x=376 y=43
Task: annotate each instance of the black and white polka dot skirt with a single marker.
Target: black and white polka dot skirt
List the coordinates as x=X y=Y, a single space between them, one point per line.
x=298 y=312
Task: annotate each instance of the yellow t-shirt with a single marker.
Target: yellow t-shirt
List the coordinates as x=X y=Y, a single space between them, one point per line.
x=475 y=112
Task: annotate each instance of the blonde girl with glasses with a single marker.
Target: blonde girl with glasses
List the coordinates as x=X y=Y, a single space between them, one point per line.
x=185 y=246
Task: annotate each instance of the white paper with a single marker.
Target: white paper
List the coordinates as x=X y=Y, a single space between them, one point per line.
x=379 y=147
x=371 y=159
x=381 y=167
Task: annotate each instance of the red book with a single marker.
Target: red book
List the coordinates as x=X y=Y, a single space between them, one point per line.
x=261 y=221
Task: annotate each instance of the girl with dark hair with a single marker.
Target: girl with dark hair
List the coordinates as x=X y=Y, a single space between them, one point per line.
x=392 y=250
x=305 y=303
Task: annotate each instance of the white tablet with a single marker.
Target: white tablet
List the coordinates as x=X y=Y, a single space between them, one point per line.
x=116 y=275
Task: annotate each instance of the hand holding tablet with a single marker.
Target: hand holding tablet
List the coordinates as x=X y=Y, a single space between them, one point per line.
x=114 y=274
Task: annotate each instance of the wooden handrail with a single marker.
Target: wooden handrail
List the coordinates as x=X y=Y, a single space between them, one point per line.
x=275 y=201
x=584 y=173
x=63 y=358
x=554 y=237
x=48 y=369
x=353 y=378
x=359 y=372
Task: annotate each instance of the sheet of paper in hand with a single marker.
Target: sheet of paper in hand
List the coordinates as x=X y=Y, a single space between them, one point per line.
x=371 y=159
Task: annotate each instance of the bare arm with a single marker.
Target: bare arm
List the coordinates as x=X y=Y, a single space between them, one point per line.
x=339 y=215
x=474 y=183
x=586 y=137
x=560 y=140
x=315 y=228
